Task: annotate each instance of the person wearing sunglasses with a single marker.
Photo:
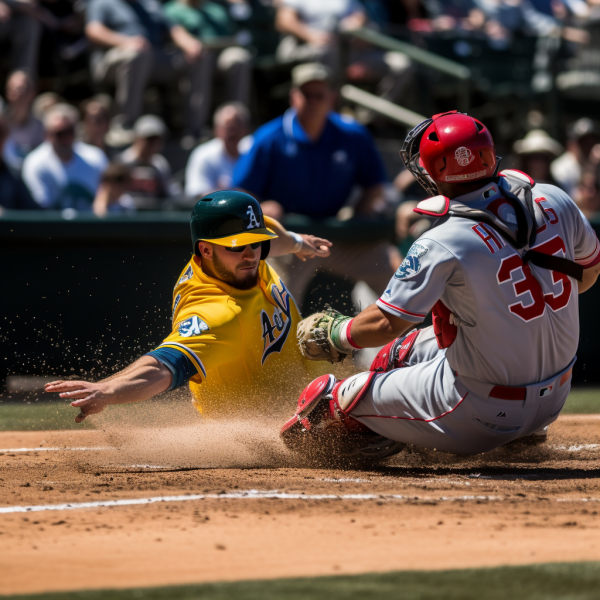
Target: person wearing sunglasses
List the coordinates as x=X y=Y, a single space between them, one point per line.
x=233 y=335
x=63 y=173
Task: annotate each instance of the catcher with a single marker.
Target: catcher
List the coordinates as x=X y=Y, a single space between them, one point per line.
x=233 y=319
x=500 y=271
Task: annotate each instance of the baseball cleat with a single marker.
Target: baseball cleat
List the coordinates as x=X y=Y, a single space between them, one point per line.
x=322 y=425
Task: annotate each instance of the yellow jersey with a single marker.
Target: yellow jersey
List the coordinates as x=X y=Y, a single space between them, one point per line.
x=237 y=348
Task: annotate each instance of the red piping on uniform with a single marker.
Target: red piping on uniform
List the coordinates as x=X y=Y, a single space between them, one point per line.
x=592 y=263
x=406 y=312
x=411 y=418
x=591 y=253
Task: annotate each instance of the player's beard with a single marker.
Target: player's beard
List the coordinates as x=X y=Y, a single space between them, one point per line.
x=245 y=282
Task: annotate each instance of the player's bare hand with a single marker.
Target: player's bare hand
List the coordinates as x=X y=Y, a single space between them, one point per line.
x=90 y=398
x=313 y=247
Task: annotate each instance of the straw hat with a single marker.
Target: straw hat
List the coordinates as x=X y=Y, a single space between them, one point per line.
x=538 y=141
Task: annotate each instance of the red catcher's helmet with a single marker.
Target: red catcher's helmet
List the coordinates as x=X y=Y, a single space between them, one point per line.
x=450 y=148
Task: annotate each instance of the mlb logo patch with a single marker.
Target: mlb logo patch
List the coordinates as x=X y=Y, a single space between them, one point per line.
x=546 y=391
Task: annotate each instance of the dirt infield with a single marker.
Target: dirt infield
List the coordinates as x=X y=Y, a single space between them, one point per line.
x=226 y=504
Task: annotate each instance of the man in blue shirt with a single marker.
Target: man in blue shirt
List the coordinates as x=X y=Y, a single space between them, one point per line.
x=309 y=161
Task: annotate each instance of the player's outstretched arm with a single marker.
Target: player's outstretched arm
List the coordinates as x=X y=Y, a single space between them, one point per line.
x=141 y=380
x=589 y=278
x=302 y=245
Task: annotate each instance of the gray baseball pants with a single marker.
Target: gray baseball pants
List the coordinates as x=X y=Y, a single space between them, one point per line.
x=427 y=404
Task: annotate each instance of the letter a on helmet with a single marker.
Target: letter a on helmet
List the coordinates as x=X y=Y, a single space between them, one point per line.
x=449 y=148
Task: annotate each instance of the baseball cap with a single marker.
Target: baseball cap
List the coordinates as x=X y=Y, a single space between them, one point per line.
x=149 y=126
x=537 y=141
x=311 y=72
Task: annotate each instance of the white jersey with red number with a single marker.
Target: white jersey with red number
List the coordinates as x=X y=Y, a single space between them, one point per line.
x=516 y=324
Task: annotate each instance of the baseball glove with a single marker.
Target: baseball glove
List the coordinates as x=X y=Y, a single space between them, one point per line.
x=318 y=333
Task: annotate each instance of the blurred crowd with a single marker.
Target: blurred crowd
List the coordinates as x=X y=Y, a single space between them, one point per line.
x=109 y=154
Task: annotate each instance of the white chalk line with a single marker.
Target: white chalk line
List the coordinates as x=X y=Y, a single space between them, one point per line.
x=48 y=449
x=577 y=447
x=244 y=495
x=257 y=495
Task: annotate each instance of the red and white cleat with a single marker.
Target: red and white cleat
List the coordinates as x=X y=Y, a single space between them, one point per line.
x=322 y=424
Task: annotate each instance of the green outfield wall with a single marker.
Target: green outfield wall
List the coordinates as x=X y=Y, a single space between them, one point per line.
x=86 y=295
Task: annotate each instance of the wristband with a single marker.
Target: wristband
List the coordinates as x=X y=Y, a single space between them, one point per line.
x=346 y=337
x=299 y=241
x=341 y=337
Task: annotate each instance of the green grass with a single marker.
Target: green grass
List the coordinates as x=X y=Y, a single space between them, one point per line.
x=40 y=416
x=584 y=401
x=562 y=581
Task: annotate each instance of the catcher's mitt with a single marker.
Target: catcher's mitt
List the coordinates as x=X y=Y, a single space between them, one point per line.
x=317 y=336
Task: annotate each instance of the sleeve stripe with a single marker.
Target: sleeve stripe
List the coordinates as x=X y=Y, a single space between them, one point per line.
x=401 y=310
x=591 y=259
x=189 y=353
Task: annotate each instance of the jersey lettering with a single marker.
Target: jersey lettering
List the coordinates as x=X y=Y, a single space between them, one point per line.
x=281 y=322
x=175 y=305
x=549 y=213
x=513 y=265
x=490 y=238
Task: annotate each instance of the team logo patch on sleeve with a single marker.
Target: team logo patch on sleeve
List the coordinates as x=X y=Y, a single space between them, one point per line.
x=192 y=326
x=411 y=265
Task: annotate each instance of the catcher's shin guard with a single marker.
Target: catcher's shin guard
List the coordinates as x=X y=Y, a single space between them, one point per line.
x=322 y=417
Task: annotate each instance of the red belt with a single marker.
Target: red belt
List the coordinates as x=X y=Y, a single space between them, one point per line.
x=519 y=393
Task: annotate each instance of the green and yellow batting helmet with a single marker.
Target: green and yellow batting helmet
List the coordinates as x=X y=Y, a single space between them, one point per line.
x=229 y=218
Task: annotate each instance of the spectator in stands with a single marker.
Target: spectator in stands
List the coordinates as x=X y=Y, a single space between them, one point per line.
x=310 y=28
x=96 y=118
x=150 y=170
x=567 y=169
x=44 y=102
x=505 y=18
x=26 y=132
x=62 y=173
x=13 y=192
x=210 y=23
x=112 y=196
x=20 y=26
x=308 y=162
x=587 y=192
x=210 y=166
x=132 y=35
x=536 y=152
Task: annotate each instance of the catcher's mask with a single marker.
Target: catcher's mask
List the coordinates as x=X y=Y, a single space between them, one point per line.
x=450 y=148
